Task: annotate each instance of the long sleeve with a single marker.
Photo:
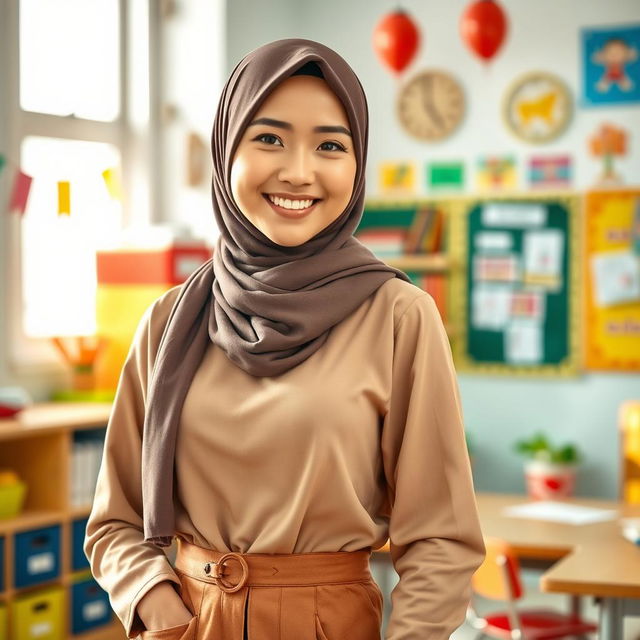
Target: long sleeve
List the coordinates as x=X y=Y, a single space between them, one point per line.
x=435 y=538
x=121 y=562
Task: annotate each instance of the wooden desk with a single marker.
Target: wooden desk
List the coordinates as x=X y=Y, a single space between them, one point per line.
x=591 y=559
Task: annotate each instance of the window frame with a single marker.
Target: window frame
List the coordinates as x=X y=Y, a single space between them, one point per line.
x=139 y=151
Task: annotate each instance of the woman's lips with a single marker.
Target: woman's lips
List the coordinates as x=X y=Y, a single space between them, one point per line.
x=290 y=213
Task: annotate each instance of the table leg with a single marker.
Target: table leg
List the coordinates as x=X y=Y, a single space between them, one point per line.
x=576 y=606
x=611 y=619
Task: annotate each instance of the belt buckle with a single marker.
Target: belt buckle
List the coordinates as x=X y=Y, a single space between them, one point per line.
x=217 y=576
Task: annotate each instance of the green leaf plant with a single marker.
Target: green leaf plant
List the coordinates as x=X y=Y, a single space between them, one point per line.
x=539 y=448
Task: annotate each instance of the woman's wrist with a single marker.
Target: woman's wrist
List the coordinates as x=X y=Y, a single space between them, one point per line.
x=161 y=607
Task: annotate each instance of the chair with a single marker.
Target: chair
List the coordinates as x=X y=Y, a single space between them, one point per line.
x=498 y=578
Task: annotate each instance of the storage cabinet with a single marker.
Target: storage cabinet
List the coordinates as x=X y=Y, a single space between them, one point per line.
x=46 y=589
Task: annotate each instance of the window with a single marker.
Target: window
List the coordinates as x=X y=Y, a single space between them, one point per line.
x=72 y=118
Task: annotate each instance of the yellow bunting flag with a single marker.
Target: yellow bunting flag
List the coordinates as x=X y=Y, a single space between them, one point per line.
x=64 y=207
x=112 y=180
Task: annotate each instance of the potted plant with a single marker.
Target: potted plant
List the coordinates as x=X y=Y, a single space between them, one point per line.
x=550 y=472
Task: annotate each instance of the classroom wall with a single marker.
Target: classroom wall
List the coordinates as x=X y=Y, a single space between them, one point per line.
x=544 y=35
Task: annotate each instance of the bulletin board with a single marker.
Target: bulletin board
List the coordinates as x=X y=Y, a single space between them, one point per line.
x=611 y=270
x=516 y=294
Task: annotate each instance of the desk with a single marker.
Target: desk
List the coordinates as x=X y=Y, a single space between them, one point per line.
x=591 y=559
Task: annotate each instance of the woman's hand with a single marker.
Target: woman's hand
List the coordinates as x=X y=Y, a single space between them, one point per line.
x=161 y=608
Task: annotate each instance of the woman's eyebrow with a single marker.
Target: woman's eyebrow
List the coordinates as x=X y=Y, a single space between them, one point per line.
x=287 y=125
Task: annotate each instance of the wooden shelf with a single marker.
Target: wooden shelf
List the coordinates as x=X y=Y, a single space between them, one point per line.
x=38 y=444
x=30 y=519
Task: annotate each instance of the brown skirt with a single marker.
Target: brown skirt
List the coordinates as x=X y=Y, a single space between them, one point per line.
x=279 y=596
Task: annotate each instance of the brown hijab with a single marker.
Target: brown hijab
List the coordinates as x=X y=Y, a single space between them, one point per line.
x=268 y=307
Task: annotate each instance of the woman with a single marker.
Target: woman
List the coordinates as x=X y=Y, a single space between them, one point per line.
x=301 y=391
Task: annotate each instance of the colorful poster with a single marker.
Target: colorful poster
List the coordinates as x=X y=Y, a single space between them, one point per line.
x=612 y=281
x=397 y=178
x=550 y=171
x=523 y=342
x=496 y=172
x=543 y=258
x=491 y=306
x=616 y=277
x=445 y=175
x=611 y=65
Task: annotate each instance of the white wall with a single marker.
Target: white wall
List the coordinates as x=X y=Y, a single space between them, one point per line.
x=544 y=35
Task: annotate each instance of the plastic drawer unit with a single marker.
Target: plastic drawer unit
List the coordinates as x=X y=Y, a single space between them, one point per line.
x=37 y=556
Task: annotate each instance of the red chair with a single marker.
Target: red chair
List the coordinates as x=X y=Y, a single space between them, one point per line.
x=498 y=578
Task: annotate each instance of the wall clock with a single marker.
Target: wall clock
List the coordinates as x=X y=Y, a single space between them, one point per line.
x=537 y=107
x=430 y=105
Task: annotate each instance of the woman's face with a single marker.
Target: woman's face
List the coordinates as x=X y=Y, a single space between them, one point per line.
x=298 y=151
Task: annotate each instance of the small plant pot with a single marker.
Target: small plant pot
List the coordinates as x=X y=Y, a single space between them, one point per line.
x=548 y=480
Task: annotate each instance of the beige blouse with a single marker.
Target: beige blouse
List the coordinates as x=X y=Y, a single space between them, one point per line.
x=360 y=443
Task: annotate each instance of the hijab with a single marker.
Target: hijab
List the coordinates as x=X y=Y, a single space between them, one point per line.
x=268 y=307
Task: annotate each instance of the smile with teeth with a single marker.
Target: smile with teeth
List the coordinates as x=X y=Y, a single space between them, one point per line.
x=293 y=205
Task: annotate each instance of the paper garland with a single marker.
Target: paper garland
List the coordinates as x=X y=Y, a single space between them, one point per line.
x=22 y=187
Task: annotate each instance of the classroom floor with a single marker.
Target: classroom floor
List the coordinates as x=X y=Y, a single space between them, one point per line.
x=534 y=598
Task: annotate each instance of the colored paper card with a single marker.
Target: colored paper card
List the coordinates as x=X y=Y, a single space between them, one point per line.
x=445 y=175
x=617 y=277
x=611 y=65
x=20 y=192
x=543 y=255
x=496 y=172
x=64 y=204
x=493 y=241
x=491 y=307
x=397 y=177
x=514 y=214
x=112 y=180
x=528 y=304
x=523 y=342
x=495 y=268
x=550 y=171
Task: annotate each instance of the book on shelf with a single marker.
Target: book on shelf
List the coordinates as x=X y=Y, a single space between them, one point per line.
x=434 y=284
x=426 y=231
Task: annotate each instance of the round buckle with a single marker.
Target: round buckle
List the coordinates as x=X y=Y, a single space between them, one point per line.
x=245 y=572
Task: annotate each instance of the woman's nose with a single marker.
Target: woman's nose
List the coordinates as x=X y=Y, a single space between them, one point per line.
x=298 y=167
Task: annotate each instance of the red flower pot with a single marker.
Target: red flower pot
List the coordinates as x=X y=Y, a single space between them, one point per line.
x=548 y=480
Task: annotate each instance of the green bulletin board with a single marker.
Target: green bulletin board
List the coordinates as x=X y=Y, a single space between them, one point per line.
x=516 y=291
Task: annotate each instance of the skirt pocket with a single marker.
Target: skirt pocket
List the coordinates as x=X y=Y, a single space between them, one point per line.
x=185 y=631
x=351 y=610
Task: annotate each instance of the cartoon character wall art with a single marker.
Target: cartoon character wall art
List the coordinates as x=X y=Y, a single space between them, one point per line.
x=611 y=59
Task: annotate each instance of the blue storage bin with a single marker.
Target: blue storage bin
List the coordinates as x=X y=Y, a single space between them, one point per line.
x=78 y=558
x=2 y=586
x=37 y=556
x=90 y=606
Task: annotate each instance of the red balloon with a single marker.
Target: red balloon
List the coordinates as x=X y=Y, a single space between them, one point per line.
x=396 y=40
x=483 y=27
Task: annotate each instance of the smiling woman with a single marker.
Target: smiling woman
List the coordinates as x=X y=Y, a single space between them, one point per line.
x=300 y=405
x=292 y=175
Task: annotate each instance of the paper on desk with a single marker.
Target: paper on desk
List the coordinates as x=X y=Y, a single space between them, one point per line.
x=559 y=512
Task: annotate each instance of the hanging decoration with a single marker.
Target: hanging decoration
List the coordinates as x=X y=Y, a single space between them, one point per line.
x=22 y=188
x=64 y=198
x=483 y=27
x=396 y=40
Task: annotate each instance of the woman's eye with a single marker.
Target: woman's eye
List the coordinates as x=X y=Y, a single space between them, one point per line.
x=338 y=146
x=266 y=135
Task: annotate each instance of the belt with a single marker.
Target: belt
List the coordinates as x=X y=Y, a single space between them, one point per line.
x=231 y=571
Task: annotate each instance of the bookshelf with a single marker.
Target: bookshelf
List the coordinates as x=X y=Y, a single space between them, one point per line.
x=37 y=444
x=413 y=235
